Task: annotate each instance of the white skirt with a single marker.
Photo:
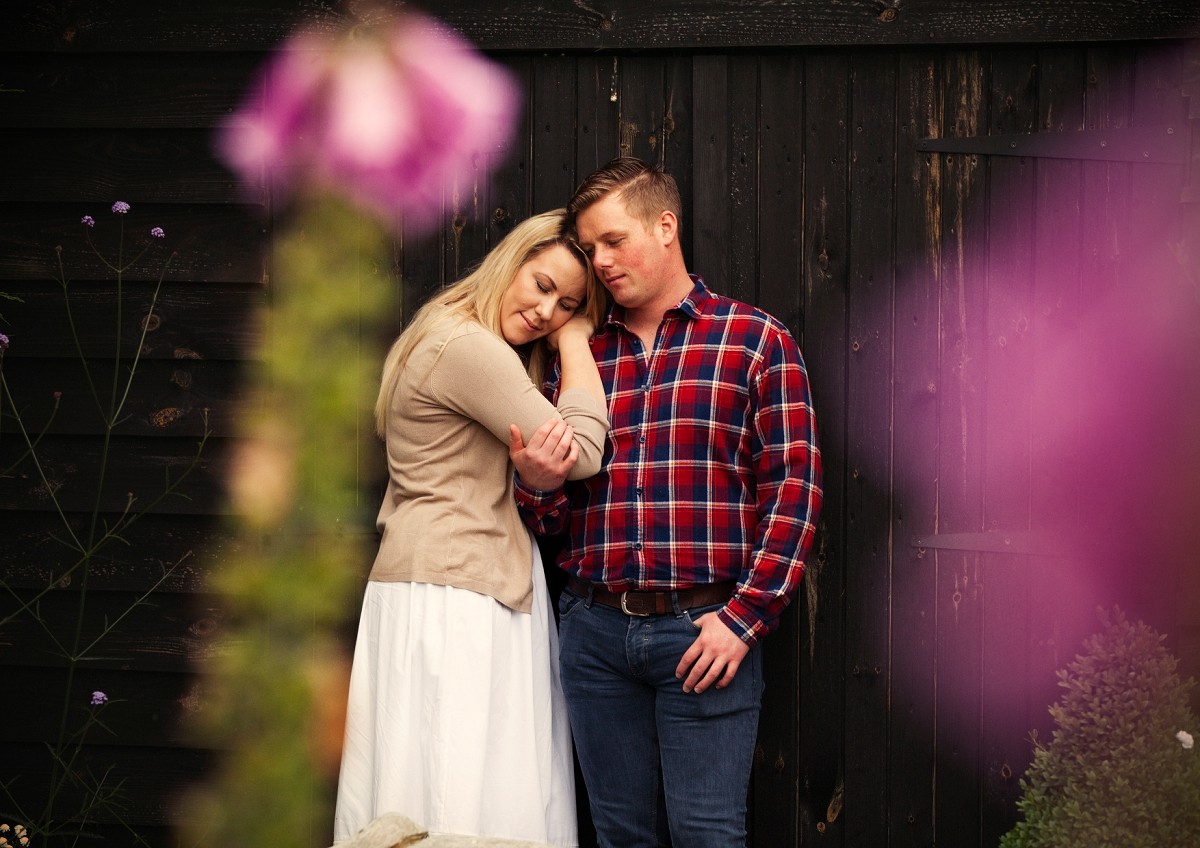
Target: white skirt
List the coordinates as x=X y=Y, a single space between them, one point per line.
x=456 y=716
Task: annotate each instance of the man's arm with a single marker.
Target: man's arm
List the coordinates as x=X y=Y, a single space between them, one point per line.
x=787 y=473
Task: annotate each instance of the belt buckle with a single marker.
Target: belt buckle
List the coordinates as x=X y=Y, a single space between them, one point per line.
x=625 y=609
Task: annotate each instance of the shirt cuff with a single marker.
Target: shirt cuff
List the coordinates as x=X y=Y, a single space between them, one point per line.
x=747 y=628
x=531 y=497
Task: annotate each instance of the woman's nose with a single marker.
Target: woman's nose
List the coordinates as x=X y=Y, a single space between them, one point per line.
x=545 y=307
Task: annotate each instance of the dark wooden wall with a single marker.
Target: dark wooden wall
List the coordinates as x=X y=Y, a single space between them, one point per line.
x=934 y=288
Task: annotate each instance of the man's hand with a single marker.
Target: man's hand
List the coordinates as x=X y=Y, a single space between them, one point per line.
x=552 y=452
x=713 y=657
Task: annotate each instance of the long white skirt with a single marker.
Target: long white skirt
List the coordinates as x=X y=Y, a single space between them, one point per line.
x=456 y=716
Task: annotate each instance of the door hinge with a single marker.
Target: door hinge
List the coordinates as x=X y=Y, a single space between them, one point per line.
x=1022 y=543
x=1160 y=144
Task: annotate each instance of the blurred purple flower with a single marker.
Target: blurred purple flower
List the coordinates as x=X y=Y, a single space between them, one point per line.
x=120 y=207
x=391 y=119
x=88 y=221
x=157 y=232
x=99 y=698
x=3 y=342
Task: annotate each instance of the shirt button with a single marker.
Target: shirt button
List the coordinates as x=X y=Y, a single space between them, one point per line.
x=637 y=546
x=639 y=491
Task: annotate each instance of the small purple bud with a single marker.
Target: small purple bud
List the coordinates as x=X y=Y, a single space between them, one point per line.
x=157 y=232
x=99 y=698
x=3 y=342
x=88 y=221
x=120 y=207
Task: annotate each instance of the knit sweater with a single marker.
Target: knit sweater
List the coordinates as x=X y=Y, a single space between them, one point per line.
x=448 y=515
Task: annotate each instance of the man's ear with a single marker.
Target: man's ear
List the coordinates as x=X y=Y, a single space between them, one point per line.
x=668 y=226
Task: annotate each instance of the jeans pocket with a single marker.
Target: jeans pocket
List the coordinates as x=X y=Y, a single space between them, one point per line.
x=568 y=602
x=690 y=615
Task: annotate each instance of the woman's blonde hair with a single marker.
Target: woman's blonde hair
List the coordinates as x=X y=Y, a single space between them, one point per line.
x=477 y=297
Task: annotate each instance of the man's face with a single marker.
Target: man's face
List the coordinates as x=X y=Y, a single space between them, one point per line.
x=628 y=256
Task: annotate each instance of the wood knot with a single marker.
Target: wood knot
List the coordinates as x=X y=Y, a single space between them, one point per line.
x=888 y=15
x=151 y=322
x=204 y=627
x=182 y=378
x=166 y=416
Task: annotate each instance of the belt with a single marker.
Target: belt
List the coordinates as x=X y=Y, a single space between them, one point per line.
x=654 y=603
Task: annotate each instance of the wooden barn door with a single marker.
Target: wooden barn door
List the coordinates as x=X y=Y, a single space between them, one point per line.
x=1020 y=409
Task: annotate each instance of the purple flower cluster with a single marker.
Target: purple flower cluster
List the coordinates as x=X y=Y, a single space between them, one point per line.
x=391 y=119
x=121 y=208
x=99 y=698
x=3 y=342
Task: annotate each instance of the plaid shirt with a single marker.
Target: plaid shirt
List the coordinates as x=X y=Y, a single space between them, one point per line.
x=711 y=470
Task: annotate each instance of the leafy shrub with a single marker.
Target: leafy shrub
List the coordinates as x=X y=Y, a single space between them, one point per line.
x=1120 y=770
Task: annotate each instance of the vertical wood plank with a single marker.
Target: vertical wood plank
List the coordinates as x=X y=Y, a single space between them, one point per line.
x=642 y=108
x=552 y=133
x=960 y=448
x=512 y=182
x=676 y=140
x=869 y=420
x=597 y=124
x=742 y=202
x=1065 y=586
x=780 y=213
x=711 y=163
x=909 y=803
x=1158 y=320
x=1004 y=701
x=778 y=766
x=825 y=244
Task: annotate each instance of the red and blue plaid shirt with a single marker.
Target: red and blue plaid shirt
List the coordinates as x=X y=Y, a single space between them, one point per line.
x=711 y=470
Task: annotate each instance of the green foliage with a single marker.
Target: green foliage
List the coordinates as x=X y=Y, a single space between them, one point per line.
x=1115 y=774
x=279 y=681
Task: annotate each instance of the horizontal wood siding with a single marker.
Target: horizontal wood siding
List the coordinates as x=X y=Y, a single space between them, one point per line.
x=529 y=25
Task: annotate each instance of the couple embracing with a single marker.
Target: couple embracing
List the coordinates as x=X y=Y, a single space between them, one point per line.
x=670 y=440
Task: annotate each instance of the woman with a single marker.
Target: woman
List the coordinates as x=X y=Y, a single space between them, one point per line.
x=455 y=715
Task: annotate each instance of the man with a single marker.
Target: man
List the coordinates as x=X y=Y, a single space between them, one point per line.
x=685 y=548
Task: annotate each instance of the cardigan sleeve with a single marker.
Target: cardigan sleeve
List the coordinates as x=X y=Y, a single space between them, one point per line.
x=480 y=376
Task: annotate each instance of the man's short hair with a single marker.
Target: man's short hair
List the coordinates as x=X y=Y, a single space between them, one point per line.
x=647 y=190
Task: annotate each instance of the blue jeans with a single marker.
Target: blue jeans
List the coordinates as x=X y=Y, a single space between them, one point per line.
x=632 y=721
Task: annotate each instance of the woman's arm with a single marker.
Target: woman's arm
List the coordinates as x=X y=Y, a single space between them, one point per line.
x=575 y=357
x=478 y=375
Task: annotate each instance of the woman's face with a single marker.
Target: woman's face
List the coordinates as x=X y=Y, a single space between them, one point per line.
x=542 y=296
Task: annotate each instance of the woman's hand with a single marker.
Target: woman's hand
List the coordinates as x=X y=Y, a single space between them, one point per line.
x=551 y=453
x=577 y=327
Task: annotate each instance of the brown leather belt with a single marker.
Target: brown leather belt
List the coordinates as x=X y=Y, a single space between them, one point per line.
x=654 y=603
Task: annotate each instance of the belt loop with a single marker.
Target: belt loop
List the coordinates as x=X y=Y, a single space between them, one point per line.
x=591 y=596
x=675 y=603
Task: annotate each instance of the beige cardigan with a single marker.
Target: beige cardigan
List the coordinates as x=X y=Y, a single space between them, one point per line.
x=448 y=516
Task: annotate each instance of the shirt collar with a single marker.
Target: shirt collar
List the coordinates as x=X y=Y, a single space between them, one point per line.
x=693 y=306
